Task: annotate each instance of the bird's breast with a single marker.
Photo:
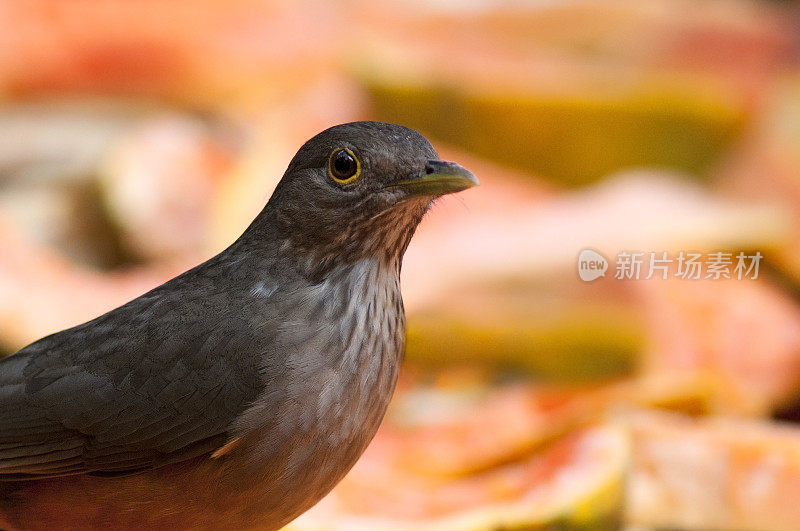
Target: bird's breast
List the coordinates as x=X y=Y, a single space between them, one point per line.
x=328 y=380
x=344 y=367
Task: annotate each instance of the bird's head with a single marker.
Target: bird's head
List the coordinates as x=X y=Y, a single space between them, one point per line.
x=359 y=190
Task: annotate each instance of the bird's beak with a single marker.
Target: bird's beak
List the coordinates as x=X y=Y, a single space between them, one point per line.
x=440 y=178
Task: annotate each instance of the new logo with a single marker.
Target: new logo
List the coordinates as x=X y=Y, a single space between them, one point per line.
x=591 y=265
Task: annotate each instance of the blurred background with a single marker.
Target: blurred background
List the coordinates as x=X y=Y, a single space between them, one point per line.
x=139 y=137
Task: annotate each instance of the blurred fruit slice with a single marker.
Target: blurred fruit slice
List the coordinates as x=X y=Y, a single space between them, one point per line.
x=158 y=181
x=767 y=165
x=231 y=53
x=712 y=474
x=575 y=90
x=455 y=430
x=744 y=334
x=576 y=483
x=49 y=161
x=553 y=329
x=572 y=123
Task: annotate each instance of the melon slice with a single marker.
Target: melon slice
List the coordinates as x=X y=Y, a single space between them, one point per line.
x=712 y=473
x=577 y=482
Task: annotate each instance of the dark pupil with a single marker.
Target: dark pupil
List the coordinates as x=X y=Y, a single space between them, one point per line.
x=344 y=165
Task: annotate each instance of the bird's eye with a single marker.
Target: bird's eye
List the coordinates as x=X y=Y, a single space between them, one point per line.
x=343 y=166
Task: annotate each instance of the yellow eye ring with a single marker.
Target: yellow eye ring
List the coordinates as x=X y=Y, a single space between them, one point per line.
x=343 y=166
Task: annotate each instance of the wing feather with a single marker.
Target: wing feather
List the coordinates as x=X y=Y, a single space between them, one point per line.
x=125 y=392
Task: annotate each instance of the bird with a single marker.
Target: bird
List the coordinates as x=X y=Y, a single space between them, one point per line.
x=239 y=393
